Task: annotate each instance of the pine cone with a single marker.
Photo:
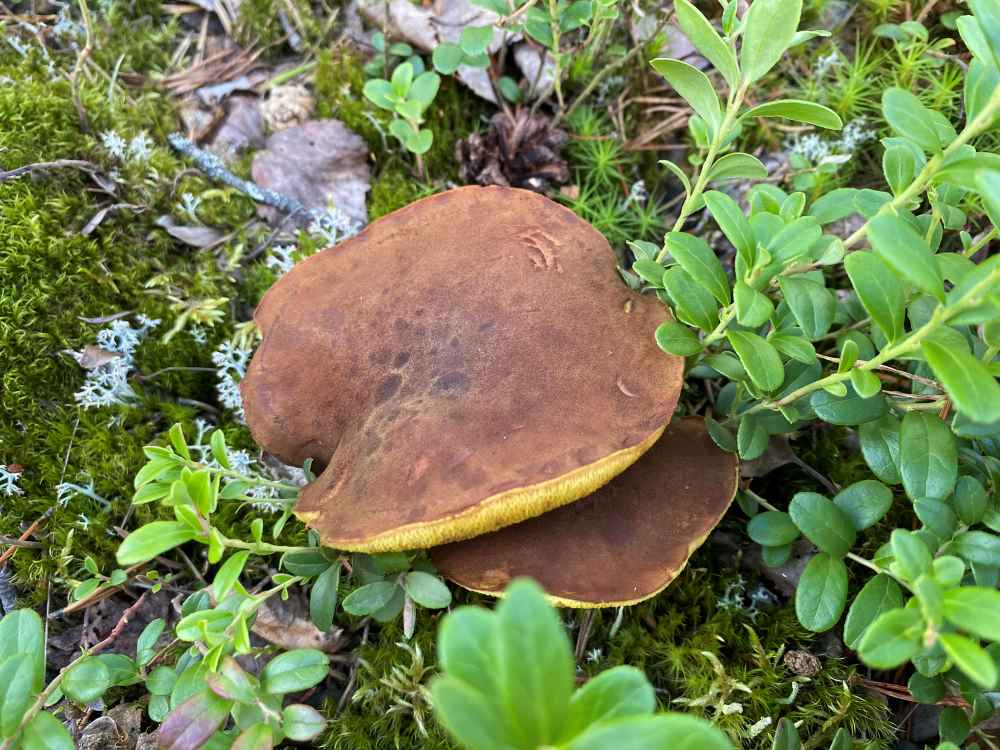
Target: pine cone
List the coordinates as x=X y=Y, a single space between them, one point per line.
x=524 y=151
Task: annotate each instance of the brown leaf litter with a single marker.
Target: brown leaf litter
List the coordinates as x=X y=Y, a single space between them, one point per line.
x=319 y=163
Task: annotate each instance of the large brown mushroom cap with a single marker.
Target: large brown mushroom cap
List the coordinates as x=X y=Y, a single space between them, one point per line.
x=622 y=544
x=464 y=363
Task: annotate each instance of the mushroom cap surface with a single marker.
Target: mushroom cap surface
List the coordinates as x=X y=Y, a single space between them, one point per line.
x=624 y=543
x=462 y=364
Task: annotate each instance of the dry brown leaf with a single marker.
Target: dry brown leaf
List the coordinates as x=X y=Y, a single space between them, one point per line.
x=212 y=94
x=240 y=129
x=777 y=454
x=528 y=59
x=426 y=26
x=93 y=356
x=102 y=214
x=319 y=163
x=286 y=624
x=195 y=236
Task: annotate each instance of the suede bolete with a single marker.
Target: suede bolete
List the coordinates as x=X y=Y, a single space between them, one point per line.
x=622 y=544
x=464 y=363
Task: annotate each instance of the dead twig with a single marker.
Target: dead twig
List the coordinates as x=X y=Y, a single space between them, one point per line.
x=353 y=675
x=895 y=371
x=27 y=532
x=226 y=65
x=583 y=636
x=901 y=692
x=13 y=174
x=212 y=166
x=120 y=626
x=15 y=542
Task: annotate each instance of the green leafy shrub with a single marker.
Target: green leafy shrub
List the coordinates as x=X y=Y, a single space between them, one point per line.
x=917 y=299
x=509 y=682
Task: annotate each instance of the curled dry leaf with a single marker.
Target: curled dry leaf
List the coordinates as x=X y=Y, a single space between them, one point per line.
x=777 y=454
x=102 y=734
x=92 y=356
x=784 y=578
x=116 y=730
x=101 y=215
x=528 y=59
x=195 y=236
x=212 y=94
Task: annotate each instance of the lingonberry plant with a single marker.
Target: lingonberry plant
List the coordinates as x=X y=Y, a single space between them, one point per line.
x=508 y=683
x=814 y=322
x=407 y=96
x=197 y=688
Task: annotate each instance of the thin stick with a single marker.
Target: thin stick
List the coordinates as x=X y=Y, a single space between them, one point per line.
x=893 y=370
x=584 y=635
x=81 y=59
x=211 y=165
x=28 y=532
x=13 y=174
x=508 y=20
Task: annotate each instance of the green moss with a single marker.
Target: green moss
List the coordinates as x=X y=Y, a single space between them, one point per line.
x=605 y=174
x=390 y=692
x=703 y=611
x=52 y=278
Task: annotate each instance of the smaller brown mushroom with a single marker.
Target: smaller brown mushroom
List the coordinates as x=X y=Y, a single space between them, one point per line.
x=622 y=544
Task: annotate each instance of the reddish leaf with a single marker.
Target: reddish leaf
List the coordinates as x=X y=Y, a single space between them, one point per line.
x=190 y=725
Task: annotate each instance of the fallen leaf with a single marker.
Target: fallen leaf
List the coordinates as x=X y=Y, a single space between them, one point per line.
x=198 y=120
x=318 y=163
x=240 y=129
x=195 y=236
x=528 y=59
x=406 y=21
x=426 y=26
x=777 y=454
x=101 y=215
x=214 y=93
x=286 y=624
x=93 y=356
